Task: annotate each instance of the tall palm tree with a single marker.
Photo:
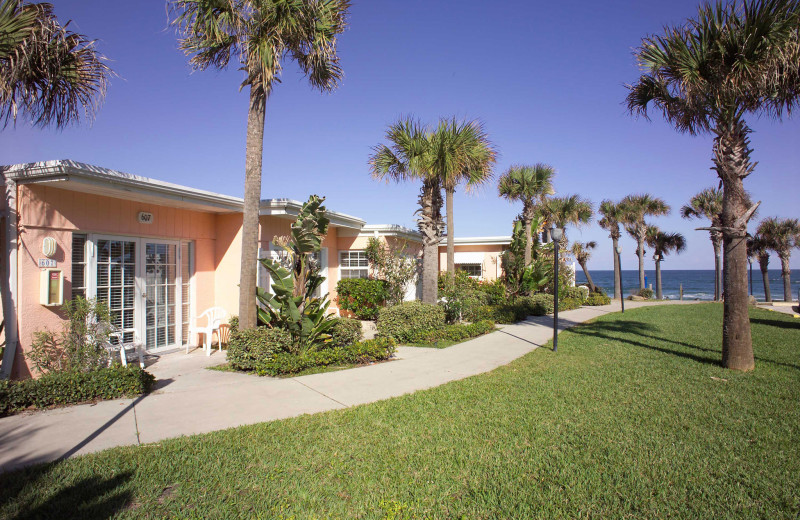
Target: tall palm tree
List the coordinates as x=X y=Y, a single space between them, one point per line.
x=49 y=76
x=704 y=76
x=663 y=244
x=782 y=235
x=259 y=35
x=582 y=252
x=463 y=153
x=639 y=207
x=409 y=157
x=614 y=215
x=530 y=185
x=759 y=247
x=708 y=204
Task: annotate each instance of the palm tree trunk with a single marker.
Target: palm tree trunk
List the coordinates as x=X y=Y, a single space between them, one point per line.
x=732 y=163
x=451 y=233
x=763 y=263
x=528 y=241
x=252 y=198
x=617 y=272
x=716 y=243
x=588 y=277
x=640 y=254
x=659 y=295
x=786 y=274
x=430 y=201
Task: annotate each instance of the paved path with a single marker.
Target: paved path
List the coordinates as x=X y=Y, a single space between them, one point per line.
x=190 y=399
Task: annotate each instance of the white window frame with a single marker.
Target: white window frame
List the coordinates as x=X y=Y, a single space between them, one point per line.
x=348 y=268
x=480 y=266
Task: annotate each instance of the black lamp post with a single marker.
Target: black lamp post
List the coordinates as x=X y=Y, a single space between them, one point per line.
x=556 y=234
x=750 y=261
x=621 y=290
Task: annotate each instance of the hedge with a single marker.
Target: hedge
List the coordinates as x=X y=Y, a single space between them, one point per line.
x=345 y=331
x=248 y=349
x=457 y=332
x=59 y=388
x=597 y=298
x=509 y=313
x=406 y=321
x=363 y=352
x=363 y=297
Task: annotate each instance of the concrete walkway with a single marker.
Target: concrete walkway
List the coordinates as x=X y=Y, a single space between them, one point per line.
x=189 y=399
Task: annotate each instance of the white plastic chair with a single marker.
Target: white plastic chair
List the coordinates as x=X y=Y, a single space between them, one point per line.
x=122 y=346
x=215 y=316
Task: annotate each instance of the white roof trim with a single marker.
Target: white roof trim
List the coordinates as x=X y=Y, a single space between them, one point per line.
x=87 y=174
x=463 y=257
x=481 y=241
x=292 y=208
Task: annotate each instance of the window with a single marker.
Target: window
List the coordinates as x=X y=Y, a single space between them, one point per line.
x=79 y=277
x=472 y=270
x=187 y=271
x=353 y=264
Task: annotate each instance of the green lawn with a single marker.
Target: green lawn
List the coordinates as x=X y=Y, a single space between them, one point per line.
x=632 y=418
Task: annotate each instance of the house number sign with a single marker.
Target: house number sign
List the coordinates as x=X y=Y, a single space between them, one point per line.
x=145 y=217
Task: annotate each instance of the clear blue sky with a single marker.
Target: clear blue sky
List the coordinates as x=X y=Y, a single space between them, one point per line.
x=546 y=78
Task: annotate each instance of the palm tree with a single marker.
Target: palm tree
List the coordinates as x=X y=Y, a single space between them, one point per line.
x=409 y=157
x=759 y=247
x=50 y=76
x=463 y=153
x=663 y=244
x=529 y=184
x=639 y=207
x=708 y=204
x=614 y=215
x=705 y=76
x=571 y=209
x=782 y=235
x=582 y=252
x=48 y=73
x=260 y=35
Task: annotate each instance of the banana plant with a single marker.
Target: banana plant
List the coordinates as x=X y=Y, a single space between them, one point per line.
x=295 y=278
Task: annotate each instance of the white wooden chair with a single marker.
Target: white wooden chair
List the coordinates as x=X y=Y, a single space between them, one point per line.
x=214 y=317
x=123 y=347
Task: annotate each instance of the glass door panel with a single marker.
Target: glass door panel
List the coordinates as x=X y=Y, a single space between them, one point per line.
x=160 y=268
x=116 y=283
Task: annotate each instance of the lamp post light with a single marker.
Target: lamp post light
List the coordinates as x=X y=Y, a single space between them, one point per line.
x=556 y=233
x=621 y=290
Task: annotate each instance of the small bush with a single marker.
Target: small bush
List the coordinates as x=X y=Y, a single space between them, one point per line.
x=363 y=297
x=59 y=388
x=510 y=313
x=249 y=349
x=495 y=292
x=579 y=292
x=646 y=293
x=597 y=298
x=568 y=304
x=363 y=352
x=405 y=321
x=537 y=305
x=457 y=332
x=233 y=323
x=346 y=331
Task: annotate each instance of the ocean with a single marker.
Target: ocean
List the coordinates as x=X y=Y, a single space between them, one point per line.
x=697 y=284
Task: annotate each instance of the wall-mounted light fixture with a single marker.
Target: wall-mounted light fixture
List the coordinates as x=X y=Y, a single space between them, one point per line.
x=49 y=247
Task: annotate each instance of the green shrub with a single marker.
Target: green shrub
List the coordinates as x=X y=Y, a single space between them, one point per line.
x=494 y=291
x=646 y=293
x=577 y=293
x=537 y=305
x=405 y=321
x=233 y=324
x=509 y=313
x=457 y=332
x=597 y=298
x=249 y=349
x=568 y=304
x=363 y=352
x=59 y=388
x=361 y=296
x=345 y=331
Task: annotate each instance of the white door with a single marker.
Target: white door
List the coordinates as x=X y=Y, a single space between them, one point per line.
x=160 y=294
x=115 y=271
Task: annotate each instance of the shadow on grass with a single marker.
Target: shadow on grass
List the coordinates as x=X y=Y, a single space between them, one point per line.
x=93 y=497
x=616 y=331
x=777 y=323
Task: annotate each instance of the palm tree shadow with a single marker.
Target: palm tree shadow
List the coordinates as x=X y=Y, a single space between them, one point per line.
x=93 y=497
x=617 y=331
x=776 y=323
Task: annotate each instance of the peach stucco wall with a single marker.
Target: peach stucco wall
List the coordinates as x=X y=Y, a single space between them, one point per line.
x=492 y=268
x=45 y=211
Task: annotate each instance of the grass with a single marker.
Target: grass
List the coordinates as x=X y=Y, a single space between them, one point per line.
x=632 y=418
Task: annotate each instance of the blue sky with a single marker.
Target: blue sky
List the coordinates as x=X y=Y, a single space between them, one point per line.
x=546 y=78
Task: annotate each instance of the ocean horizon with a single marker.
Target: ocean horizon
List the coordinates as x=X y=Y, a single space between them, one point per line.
x=698 y=284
